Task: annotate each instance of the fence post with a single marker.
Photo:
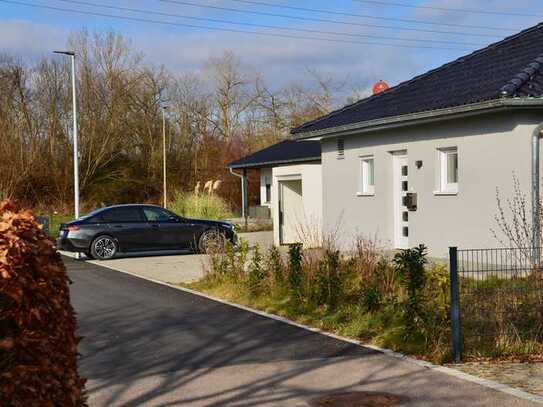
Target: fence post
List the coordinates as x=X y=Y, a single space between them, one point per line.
x=455 y=305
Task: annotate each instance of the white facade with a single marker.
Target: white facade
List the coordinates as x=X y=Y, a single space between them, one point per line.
x=297 y=203
x=453 y=208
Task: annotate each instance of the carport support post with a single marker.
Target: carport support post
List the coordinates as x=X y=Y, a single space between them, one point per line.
x=244 y=197
x=455 y=306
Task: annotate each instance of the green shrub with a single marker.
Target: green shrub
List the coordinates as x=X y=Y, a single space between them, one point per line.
x=228 y=265
x=371 y=298
x=255 y=276
x=409 y=265
x=239 y=260
x=275 y=267
x=328 y=283
x=295 y=270
x=204 y=206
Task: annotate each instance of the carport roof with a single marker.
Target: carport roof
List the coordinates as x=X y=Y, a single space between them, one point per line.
x=284 y=152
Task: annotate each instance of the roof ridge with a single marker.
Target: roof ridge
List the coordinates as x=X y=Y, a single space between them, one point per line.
x=510 y=88
x=423 y=75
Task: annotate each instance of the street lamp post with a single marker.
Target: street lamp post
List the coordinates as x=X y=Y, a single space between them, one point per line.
x=164 y=155
x=71 y=54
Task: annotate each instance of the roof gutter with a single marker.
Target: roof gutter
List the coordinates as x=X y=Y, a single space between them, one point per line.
x=422 y=117
x=273 y=163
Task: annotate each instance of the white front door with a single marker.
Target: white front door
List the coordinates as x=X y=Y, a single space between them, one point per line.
x=401 y=214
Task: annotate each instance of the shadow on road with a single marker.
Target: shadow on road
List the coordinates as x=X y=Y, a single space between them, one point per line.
x=147 y=344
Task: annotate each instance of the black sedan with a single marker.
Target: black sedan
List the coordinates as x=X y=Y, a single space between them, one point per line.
x=105 y=232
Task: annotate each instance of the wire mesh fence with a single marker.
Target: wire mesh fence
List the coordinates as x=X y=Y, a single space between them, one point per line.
x=500 y=298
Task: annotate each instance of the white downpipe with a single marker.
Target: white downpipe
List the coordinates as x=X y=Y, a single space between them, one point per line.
x=536 y=209
x=244 y=194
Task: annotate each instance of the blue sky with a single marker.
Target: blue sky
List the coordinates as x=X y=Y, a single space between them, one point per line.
x=31 y=33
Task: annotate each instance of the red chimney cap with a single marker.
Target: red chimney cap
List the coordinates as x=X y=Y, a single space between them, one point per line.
x=379 y=87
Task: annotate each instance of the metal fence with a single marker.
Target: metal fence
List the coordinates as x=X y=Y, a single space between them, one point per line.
x=496 y=299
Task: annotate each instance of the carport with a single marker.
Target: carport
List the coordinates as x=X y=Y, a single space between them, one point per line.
x=290 y=185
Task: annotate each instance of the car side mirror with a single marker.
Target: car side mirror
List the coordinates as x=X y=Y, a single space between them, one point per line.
x=174 y=219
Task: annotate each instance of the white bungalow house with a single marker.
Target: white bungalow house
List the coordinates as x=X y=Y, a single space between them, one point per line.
x=421 y=161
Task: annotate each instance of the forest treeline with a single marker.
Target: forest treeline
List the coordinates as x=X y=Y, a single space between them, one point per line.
x=217 y=114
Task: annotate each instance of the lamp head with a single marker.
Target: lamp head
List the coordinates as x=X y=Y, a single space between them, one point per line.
x=71 y=53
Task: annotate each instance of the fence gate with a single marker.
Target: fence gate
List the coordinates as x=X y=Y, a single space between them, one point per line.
x=496 y=300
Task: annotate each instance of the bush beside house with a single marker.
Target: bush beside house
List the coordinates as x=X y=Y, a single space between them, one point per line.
x=38 y=343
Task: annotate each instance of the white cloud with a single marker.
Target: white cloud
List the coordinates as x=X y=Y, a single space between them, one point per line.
x=30 y=40
x=280 y=60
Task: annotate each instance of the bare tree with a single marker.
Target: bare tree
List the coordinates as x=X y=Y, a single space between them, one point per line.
x=216 y=115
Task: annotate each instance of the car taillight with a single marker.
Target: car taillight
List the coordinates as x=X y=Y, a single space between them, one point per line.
x=72 y=228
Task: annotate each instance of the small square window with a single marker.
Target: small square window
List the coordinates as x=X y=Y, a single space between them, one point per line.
x=405 y=216
x=405 y=231
x=448 y=177
x=340 y=148
x=368 y=176
x=404 y=186
x=404 y=170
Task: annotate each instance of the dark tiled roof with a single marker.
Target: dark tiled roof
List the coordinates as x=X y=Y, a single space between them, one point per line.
x=287 y=151
x=509 y=68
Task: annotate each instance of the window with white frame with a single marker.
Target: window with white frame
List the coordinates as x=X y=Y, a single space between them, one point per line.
x=448 y=164
x=367 y=175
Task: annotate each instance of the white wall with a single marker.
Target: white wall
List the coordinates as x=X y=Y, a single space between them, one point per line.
x=265 y=174
x=311 y=176
x=490 y=149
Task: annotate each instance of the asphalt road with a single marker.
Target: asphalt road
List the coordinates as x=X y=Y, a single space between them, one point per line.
x=150 y=345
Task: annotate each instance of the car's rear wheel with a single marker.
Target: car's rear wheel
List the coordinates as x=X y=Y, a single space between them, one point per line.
x=211 y=241
x=104 y=247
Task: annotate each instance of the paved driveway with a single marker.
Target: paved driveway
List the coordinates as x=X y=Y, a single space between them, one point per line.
x=151 y=345
x=176 y=267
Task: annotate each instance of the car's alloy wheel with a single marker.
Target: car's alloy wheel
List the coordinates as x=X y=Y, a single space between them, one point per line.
x=104 y=247
x=211 y=241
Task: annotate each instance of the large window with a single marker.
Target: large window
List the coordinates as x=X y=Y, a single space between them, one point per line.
x=367 y=176
x=126 y=214
x=448 y=164
x=156 y=215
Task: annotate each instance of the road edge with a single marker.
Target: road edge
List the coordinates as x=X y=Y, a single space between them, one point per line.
x=443 y=369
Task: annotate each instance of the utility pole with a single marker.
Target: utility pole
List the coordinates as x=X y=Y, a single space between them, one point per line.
x=71 y=54
x=164 y=155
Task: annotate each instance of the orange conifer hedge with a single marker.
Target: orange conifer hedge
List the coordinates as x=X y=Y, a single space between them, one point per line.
x=38 y=345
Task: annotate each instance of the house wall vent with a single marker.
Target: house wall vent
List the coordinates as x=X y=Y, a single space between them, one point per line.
x=340 y=148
